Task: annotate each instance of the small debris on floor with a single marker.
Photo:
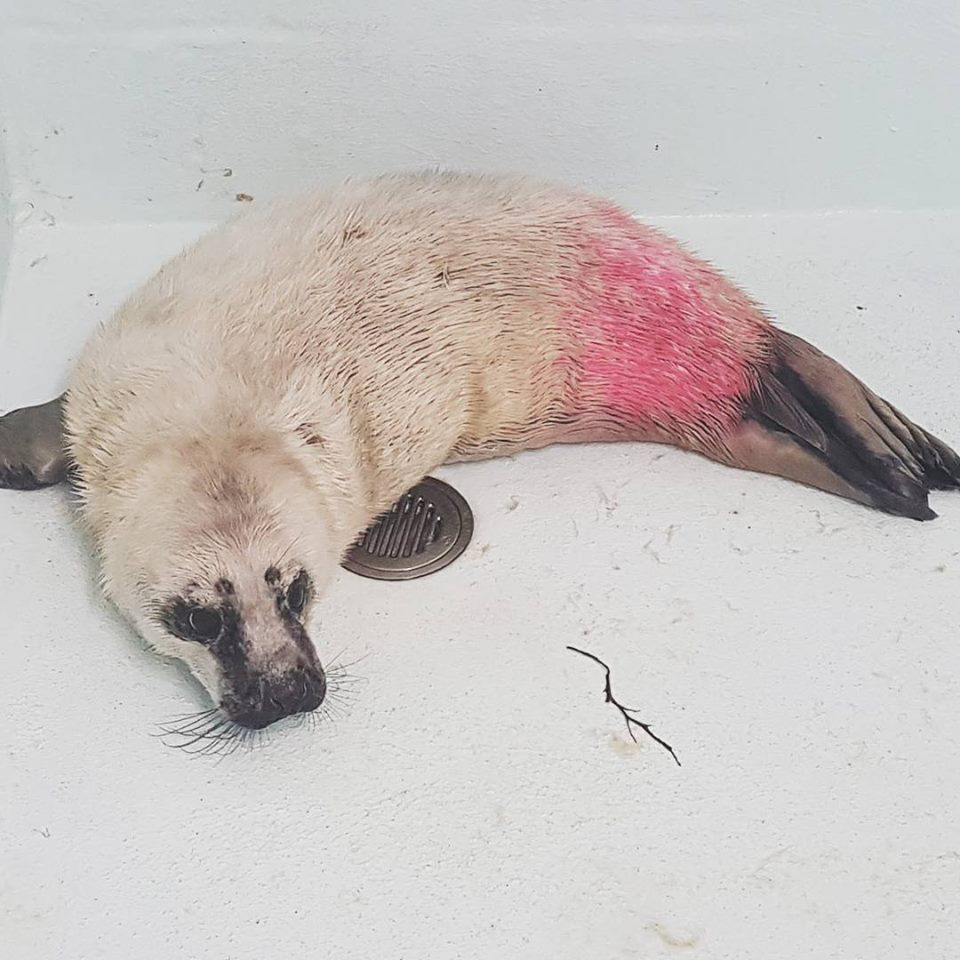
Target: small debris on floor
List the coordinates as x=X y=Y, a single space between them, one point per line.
x=625 y=712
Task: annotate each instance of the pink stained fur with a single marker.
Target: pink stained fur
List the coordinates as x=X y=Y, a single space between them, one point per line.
x=669 y=343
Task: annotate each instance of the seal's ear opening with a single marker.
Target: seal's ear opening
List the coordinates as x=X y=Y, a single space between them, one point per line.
x=810 y=419
x=310 y=434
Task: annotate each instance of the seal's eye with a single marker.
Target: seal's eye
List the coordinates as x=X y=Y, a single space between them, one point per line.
x=297 y=595
x=205 y=624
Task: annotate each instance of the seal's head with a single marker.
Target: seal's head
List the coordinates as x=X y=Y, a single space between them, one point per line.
x=217 y=553
x=248 y=644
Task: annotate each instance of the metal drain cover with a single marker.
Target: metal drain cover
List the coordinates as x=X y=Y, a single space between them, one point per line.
x=424 y=531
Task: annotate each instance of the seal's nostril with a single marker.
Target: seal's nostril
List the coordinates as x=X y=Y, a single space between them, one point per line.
x=272 y=698
x=316 y=691
x=303 y=691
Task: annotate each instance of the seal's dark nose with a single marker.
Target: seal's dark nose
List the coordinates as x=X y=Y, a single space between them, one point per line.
x=268 y=699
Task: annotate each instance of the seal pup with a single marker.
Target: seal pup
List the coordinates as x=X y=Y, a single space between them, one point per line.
x=276 y=386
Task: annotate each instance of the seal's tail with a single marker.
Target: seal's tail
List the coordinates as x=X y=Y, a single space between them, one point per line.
x=810 y=419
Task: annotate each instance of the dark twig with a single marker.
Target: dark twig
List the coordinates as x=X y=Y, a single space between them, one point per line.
x=625 y=711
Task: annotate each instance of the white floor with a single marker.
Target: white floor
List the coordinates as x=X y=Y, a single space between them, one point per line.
x=479 y=800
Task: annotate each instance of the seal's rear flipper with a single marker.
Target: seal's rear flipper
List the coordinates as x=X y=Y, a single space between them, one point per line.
x=32 y=454
x=809 y=419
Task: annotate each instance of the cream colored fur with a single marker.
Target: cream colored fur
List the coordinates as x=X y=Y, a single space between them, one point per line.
x=272 y=389
x=278 y=384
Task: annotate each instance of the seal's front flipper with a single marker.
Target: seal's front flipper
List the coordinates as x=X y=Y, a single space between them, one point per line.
x=810 y=419
x=32 y=451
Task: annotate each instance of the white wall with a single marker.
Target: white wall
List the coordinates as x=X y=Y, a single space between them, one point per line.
x=6 y=224
x=120 y=109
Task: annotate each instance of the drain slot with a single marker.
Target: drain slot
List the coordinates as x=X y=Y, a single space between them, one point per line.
x=423 y=532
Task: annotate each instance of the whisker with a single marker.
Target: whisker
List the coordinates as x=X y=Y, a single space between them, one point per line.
x=344 y=683
x=286 y=553
x=212 y=746
x=342 y=696
x=187 y=729
x=204 y=729
x=336 y=665
x=333 y=660
x=338 y=709
x=219 y=745
x=333 y=712
x=229 y=747
x=192 y=716
x=208 y=733
x=187 y=721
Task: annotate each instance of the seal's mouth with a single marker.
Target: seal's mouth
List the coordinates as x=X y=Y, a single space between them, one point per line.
x=225 y=728
x=263 y=700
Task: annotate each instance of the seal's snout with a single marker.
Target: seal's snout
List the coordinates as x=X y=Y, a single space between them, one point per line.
x=268 y=699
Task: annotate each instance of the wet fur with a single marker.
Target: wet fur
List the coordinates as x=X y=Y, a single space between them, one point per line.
x=273 y=388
